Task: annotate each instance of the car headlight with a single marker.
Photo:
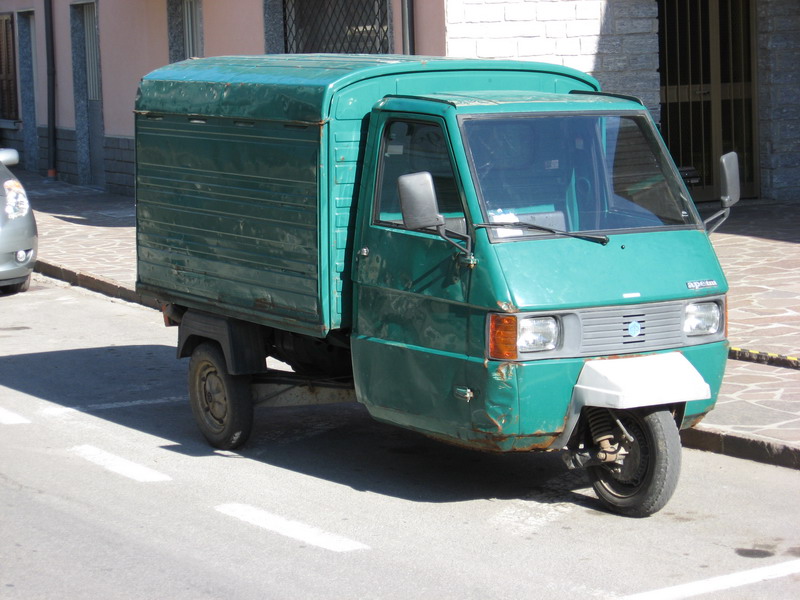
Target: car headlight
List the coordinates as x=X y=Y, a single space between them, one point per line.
x=702 y=318
x=17 y=204
x=510 y=335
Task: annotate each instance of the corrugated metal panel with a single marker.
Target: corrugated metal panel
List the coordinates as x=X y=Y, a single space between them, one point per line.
x=217 y=224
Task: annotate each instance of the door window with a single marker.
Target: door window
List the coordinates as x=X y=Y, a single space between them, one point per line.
x=412 y=147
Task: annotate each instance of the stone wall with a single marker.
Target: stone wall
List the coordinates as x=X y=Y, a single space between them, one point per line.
x=616 y=41
x=779 y=98
x=118 y=158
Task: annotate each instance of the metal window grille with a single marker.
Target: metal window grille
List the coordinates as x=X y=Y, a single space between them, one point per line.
x=92 y=51
x=337 y=26
x=9 y=108
x=192 y=29
x=708 y=93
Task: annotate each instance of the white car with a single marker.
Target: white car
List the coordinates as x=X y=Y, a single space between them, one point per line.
x=19 y=238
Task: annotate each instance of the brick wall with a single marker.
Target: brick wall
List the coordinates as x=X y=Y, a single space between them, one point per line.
x=614 y=40
x=779 y=98
x=119 y=165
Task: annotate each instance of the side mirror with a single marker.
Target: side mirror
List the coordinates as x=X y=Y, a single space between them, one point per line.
x=421 y=211
x=9 y=156
x=729 y=190
x=418 y=201
x=729 y=179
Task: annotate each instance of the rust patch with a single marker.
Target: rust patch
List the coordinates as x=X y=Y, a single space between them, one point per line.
x=695 y=421
x=504 y=372
x=507 y=306
x=497 y=443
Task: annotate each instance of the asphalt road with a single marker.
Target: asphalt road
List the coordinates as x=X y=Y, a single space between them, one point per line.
x=107 y=490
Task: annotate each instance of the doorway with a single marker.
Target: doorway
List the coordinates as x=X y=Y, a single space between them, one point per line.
x=708 y=93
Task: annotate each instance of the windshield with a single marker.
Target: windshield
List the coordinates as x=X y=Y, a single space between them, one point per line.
x=574 y=173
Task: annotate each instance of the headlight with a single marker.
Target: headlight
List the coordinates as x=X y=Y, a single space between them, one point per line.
x=537 y=334
x=17 y=204
x=510 y=335
x=702 y=318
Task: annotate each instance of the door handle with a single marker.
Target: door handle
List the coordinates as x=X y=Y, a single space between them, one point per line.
x=364 y=251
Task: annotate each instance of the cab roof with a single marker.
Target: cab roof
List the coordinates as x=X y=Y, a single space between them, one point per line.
x=526 y=101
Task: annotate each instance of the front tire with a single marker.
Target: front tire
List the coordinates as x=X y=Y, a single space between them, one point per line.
x=648 y=475
x=16 y=288
x=221 y=402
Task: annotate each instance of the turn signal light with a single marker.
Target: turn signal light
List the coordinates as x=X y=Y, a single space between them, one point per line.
x=503 y=337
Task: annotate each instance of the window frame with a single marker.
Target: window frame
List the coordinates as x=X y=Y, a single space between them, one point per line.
x=380 y=170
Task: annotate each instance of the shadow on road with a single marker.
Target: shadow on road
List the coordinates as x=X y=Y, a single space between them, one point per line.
x=339 y=443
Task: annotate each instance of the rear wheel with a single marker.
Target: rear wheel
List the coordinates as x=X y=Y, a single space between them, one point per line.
x=221 y=402
x=644 y=479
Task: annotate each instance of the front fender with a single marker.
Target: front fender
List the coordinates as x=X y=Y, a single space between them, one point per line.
x=634 y=382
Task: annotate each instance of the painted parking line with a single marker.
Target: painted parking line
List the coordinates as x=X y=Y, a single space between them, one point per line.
x=9 y=418
x=56 y=411
x=723 y=582
x=291 y=529
x=119 y=465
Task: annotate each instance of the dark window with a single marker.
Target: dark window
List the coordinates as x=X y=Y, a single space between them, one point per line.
x=337 y=26
x=412 y=147
x=185 y=24
x=9 y=108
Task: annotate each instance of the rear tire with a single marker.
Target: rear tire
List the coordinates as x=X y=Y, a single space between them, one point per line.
x=221 y=402
x=648 y=476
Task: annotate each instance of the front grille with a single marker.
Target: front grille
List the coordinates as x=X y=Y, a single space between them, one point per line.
x=631 y=328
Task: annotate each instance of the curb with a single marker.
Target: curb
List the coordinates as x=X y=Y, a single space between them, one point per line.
x=764 y=358
x=715 y=440
x=94 y=283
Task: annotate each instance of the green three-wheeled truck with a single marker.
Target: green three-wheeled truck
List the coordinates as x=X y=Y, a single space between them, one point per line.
x=493 y=253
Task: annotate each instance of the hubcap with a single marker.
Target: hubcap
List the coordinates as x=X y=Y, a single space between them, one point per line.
x=215 y=400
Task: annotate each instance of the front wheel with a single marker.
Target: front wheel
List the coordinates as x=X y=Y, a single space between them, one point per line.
x=16 y=288
x=644 y=479
x=221 y=402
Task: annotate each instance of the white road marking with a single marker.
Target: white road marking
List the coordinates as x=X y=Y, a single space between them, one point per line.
x=9 y=418
x=56 y=411
x=119 y=465
x=291 y=529
x=723 y=582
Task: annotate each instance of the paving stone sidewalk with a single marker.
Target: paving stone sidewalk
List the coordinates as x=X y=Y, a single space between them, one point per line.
x=87 y=237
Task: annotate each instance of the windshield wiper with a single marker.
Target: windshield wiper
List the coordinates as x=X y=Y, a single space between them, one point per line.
x=597 y=239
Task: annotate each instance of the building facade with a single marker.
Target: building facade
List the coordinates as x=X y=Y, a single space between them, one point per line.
x=718 y=75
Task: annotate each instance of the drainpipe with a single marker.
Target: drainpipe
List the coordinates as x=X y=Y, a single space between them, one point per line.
x=408 y=26
x=51 y=89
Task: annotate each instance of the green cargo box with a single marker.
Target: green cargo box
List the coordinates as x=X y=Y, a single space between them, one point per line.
x=248 y=168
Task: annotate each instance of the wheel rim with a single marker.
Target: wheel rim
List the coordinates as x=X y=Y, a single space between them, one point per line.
x=213 y=398
x=629 y=478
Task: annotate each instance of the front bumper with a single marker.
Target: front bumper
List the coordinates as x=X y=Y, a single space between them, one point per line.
x=19 y=234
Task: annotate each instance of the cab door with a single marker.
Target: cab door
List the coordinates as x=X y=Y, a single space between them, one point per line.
x=411 y=317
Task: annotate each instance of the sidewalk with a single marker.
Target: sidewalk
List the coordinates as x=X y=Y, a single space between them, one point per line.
x=87 y=238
